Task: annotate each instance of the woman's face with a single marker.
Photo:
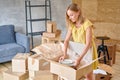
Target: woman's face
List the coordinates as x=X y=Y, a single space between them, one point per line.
x=73 y=16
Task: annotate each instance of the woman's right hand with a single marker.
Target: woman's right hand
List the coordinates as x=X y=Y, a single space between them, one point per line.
x=62 y=58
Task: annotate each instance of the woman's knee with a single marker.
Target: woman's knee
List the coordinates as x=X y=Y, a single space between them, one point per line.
x=89 y=76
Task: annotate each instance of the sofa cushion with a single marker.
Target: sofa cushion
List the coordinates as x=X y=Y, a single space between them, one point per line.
x=10 y=49
x=7 y=34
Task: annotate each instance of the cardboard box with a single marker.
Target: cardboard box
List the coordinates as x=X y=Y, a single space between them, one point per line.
x=36 y=63
x=50 y=51
x=38 y=73
x=106 y=68
x=51 y=26
x=102 y=77
x=69 y=72
x=32 y=73
x=43 y=75
x=52 y=35
x=50 y=40
x=9 y=75
x=20 y=62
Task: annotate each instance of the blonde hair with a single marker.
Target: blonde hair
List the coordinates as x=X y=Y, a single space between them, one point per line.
x=73 y=7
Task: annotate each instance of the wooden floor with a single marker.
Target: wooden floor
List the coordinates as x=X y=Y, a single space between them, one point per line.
x=4 y=67
x=116 y=67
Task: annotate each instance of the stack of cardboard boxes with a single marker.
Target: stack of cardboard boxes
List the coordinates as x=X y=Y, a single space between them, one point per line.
x=36 y=67
x=30 y=67
x=39 y=68
x=52 y=35
x=19 y=69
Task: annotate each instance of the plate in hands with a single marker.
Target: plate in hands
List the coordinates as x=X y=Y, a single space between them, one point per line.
x=68 y=62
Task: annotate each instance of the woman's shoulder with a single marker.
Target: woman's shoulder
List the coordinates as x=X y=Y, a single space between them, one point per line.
x=87 y=23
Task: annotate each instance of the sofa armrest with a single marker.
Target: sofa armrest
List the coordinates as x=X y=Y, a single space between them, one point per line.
x=23 y=40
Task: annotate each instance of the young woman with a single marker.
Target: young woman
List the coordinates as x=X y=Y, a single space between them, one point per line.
x=81 y=30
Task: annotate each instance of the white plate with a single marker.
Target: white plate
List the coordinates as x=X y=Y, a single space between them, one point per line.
x=67 y=62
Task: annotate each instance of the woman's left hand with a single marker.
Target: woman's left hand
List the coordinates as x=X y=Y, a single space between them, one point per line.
x=76 y=63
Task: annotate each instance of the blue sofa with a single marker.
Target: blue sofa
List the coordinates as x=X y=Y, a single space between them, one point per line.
x=11 y=43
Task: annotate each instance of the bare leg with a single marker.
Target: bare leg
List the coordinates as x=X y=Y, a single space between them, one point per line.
x=89 y=76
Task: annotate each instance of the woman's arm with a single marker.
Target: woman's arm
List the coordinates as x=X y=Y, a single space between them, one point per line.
x=66 y=42
x=87 y=45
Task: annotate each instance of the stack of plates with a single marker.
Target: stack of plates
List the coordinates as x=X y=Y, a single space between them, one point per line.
x=68 y=62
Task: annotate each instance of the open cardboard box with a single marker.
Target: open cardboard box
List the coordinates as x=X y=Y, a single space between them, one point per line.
x=68 y=72
x=50 y=51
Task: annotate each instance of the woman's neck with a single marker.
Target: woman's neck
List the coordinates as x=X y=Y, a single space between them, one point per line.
x=78 y=24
